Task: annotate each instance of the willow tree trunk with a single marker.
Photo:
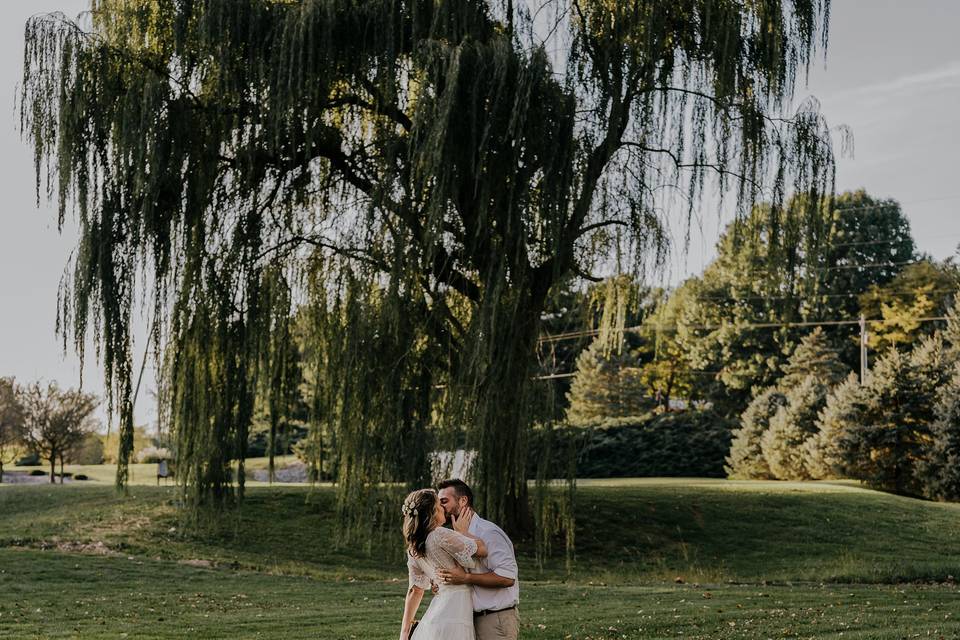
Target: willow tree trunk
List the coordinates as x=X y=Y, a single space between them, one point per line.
x=507 y=412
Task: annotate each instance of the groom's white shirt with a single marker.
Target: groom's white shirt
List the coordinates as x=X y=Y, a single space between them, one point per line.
x=501 y=560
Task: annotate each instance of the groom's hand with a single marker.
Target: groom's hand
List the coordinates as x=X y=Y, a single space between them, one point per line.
x=453 y=576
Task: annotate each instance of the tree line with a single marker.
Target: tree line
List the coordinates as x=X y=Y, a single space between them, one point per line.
x=897 y=430
x=719 y=336
x=765 y=339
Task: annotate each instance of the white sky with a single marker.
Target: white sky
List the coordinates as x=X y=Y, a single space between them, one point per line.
x=892 y=74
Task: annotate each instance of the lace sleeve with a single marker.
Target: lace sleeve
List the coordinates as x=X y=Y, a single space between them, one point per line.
x=460 y=547
x=417 y=577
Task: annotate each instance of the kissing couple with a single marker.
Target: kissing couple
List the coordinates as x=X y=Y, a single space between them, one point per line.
x=471 y=568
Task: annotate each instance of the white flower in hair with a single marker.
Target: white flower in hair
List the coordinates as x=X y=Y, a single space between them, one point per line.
x=408 y=509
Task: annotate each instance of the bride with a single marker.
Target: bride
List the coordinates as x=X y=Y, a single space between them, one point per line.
x=431 y=546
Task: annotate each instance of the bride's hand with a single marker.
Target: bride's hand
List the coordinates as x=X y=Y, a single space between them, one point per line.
x=461 y=524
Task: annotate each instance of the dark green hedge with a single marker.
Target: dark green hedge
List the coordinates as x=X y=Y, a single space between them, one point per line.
x=679 y=444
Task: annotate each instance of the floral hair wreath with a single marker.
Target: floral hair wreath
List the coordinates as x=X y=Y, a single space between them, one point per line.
x=408 y=509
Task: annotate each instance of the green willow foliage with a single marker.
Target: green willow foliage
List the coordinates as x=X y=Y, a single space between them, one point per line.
x=418 y=173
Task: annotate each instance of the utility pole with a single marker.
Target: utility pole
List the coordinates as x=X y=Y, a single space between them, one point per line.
x=863 y=350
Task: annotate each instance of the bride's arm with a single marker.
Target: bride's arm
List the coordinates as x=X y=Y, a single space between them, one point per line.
x=410 y=605
x=481 y=545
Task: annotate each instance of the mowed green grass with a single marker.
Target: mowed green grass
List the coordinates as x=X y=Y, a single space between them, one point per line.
x=756 y=560
x=57 y=595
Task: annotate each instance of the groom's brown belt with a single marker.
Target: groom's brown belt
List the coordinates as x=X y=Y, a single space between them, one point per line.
x=479 y=614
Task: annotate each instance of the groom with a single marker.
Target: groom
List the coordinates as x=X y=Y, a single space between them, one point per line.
x=496 y=590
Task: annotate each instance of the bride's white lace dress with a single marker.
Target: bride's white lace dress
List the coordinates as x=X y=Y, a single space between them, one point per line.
x=450 y=614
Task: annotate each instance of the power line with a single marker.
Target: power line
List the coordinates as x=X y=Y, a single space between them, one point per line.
x=556 y=376
x=814 y=297
x=586 y=333
x=873 y=265
x=870 y=242
x=865 y=266
x=892 y=204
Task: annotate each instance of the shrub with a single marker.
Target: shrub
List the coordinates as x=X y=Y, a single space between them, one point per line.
x=81 y=476
x=32 y=459
x=682 y=444
x=89 y=451
x=38 y=472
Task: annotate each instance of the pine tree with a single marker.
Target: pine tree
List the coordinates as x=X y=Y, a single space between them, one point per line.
x=792 y=426
x=814 y=356
x=746 y=461
x=940 y=468
x=884 y=444
x=786 y=411
x=951 y=333
x=606 y=386
x=844 y=405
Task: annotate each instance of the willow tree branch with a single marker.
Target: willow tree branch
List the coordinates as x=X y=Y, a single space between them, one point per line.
x=386 y=107
x=597 y=225
x=329 y=146
x=693 y=165
x=584 y=274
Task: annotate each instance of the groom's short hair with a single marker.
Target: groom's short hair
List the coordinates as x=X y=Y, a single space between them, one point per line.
x=461 y=488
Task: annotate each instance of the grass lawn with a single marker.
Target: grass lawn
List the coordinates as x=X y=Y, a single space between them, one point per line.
x=756 y=560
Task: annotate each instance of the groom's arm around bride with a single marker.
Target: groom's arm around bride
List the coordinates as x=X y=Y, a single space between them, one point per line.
x=495 y=582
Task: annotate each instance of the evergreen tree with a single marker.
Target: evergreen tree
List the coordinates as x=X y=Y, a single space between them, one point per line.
x=666 y=371
x=885 y=443
x=781 y=420
x=951 y=330
x=814 y=357
x=746 y=461
x=844 y=405
x=784 y=443
x=939 y=469
x=606 y=386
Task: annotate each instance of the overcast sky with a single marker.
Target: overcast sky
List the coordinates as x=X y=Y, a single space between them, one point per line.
x=892 y=74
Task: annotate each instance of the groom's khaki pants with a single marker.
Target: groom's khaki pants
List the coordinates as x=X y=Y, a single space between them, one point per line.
x=502 y=625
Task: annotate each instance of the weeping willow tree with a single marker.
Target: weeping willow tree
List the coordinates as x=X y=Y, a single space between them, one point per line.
x=418 y=173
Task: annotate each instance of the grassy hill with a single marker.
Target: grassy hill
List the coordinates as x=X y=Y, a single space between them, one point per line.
x=756 y=559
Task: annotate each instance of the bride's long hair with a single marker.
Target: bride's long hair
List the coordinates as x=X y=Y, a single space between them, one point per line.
x=418 y=509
